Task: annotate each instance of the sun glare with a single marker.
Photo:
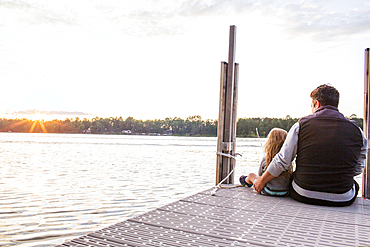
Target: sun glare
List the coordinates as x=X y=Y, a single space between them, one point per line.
x=35 y=122
x=36 y=117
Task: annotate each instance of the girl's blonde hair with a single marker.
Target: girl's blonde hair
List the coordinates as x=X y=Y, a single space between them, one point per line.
x=275 y=141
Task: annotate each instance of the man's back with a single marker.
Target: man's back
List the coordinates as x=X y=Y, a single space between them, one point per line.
x=329 y=150
x=329 y=146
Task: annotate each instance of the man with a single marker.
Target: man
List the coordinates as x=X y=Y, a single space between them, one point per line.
x=329 y=150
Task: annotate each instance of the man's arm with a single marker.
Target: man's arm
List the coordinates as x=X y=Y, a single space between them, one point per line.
x=282 y=160
x=261 y=181
x=361 y=159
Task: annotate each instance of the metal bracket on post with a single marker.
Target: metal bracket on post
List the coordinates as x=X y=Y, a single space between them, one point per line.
x=227 y=146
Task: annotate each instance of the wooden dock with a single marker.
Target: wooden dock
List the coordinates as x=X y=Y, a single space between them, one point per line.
x=238 y=217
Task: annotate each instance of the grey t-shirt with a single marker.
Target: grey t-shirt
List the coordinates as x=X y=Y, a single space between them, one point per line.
x=279 y=183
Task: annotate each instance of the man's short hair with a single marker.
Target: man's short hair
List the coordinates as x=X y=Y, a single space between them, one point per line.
x=326 y=95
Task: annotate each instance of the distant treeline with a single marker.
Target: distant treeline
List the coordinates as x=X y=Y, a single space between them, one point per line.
x=191 y=126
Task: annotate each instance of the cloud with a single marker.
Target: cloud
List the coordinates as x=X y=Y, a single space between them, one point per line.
x=324 y=22
x=198 y=8
x=32 y=13
x=174 y=17
x=61 y=113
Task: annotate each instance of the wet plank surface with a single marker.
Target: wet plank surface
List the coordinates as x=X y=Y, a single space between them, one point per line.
x=238 y=217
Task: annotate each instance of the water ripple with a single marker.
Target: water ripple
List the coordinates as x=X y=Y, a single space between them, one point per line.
x=57 y=187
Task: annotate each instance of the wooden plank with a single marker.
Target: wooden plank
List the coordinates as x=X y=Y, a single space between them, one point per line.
x=228 y=122
x=234 y=112
x=366 y=129
x=230 y=86
x=221 y=119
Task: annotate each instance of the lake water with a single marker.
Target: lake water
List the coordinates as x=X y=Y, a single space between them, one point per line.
x=55 y=187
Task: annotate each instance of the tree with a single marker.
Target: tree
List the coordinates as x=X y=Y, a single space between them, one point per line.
x=192 y=126
x=86 y=123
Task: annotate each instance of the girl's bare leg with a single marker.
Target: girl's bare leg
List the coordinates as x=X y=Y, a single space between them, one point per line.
x=250 y=179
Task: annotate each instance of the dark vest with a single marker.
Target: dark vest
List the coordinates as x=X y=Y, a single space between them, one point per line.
x=329 y=146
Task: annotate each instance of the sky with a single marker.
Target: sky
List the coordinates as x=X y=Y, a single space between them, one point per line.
x=156 y=59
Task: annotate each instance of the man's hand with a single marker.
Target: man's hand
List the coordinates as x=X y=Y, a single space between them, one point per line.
x=262 y=181
x=259 y=185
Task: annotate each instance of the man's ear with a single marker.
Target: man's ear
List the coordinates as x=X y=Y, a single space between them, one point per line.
x=318 y=104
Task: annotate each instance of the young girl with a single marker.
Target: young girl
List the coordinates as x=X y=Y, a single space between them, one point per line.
x=278 y=186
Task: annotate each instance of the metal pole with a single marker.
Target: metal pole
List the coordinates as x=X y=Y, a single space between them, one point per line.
x=366 y=129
